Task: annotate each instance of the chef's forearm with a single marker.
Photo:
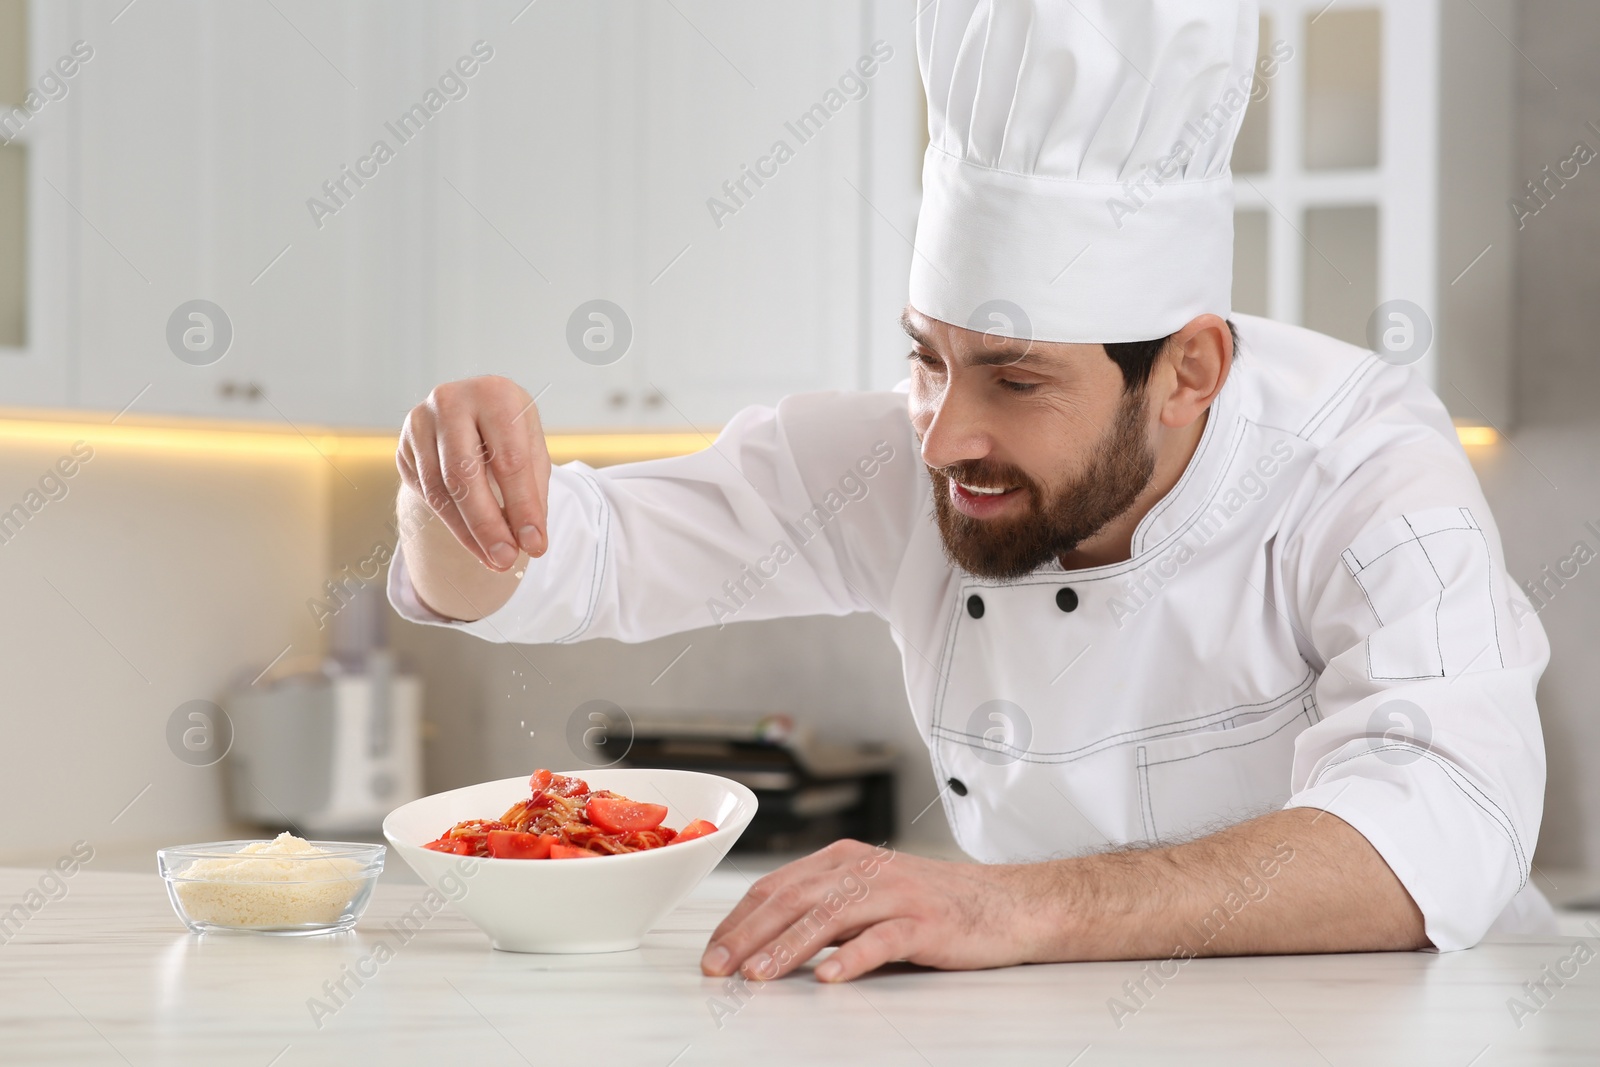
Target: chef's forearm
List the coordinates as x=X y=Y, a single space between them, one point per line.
x=1295 y=881
x=448 y=579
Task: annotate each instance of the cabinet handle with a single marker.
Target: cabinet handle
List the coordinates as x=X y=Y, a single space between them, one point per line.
x=619 y=399
x=230 y=390
x=653 y=399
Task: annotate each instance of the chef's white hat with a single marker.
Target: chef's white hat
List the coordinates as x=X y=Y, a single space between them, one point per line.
x=1076 y=185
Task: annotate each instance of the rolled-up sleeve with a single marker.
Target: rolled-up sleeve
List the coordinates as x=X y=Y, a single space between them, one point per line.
x=1429 y=743
x=764 y=523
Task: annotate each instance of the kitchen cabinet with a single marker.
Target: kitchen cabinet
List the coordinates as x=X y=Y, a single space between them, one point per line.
x=535 y=191
x=644 y=188
x=628 y=154
x=35 y=138
x=1372 y=174
x=764 y=298
x=203 y=131
x=215 y=153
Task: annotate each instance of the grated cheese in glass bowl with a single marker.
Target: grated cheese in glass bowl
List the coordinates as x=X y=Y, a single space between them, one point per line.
x=284 y=886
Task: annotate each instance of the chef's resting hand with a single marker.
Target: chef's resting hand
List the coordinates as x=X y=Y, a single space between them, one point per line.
x=1295 y=881
x=878 y=905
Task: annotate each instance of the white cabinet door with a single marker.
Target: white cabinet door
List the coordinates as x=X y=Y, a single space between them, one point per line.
x=205 y=129
x=582 y=172
x=536 y=207
x=38 y=164
x=754 y=133
x=702 y=167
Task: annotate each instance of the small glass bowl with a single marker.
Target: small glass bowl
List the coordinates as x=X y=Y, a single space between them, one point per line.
x=212 y=887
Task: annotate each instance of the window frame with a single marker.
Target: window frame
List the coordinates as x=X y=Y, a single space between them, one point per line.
x=40 y=372
x=1402 y=187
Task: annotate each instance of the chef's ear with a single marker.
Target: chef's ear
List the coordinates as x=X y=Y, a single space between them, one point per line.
x=1199 y=357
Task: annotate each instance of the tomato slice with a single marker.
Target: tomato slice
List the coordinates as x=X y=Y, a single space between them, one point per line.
x=698 y=828
x=570 y=852
x=563 y=786
x=512 y=845
x=540 y=780
x=456 y=846
x=615 y=815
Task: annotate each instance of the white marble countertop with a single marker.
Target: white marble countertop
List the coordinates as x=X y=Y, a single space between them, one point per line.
x=108 y=975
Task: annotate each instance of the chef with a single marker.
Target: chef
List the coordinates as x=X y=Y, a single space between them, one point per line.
x=1205 y=620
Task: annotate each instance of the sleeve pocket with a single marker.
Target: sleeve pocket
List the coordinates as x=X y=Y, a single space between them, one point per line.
x=1427 y=578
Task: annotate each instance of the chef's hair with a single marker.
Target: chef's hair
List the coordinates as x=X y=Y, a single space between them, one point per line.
x=1137 y=359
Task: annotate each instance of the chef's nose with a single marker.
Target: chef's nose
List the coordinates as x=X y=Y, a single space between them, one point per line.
x=953 y=430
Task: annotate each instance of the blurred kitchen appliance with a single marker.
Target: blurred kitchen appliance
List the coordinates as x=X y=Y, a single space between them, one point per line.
x=811 y=791
x=329 y=745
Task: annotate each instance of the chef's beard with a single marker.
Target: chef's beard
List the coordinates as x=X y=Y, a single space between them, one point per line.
x=1119 y=469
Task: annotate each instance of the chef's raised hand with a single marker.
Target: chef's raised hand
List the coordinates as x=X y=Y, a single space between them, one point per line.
x=472 y=455
x=878 y=906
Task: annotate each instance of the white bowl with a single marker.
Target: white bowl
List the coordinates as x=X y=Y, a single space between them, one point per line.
x=605 y=904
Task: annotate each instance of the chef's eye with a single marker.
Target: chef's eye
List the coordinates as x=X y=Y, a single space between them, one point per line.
x=925 y=358
x=1019 y=387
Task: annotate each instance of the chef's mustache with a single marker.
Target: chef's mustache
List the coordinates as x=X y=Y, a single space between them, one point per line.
x=986 y=474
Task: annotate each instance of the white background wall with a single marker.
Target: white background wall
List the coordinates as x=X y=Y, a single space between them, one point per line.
x=1540 y=521
x=173 y=572
x=1547 y=486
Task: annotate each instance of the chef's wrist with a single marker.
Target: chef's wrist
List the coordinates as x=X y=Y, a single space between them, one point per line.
x=1051 y=919
x=1097 y=907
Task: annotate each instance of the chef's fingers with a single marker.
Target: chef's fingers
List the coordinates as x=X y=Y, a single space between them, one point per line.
x=800 y=916
x=765 y=887
x=521 y=466
x=885 y=942
x=819 y=929
x=462 y=457
x=765 y=912
x=541 y=473
x=848 y=861
x=405 y=464
x=419 y=454
x=753 y=899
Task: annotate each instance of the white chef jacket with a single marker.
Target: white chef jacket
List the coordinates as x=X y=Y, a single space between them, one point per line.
x=1316 y=615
